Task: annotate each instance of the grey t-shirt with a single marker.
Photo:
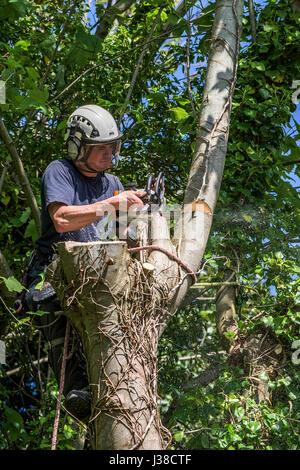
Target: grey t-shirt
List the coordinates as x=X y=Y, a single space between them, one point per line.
x=62 y=182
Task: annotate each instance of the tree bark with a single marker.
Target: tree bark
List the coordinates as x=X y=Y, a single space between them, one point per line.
x=211 y=145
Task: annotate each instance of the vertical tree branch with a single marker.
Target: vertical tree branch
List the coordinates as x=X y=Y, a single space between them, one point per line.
x=139 y=62
x=188 y=68
x=3 y=174
x=31 y=200
x=252 y=20
x=225 y=309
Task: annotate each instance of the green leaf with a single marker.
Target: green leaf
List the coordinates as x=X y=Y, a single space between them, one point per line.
x=254 y=426
x=60 y=77
x=48 y=45
x=32 y=73
x=62 y=125
x=18 y=221
x=85 y=48
x=91 y=42
x=39 y=285
x=31 y=231
x=247 y=218
x=264 y=93
x=14 y=425
x=205 y=441
x=23 y=44
x=178 y=113
x=292 y=396
x=263 y=375
x=179 y=436
x=239 y=412
x=157 y=97
x=173 y=19
x=5 y=198
x=163 y=16
x=270 y=28
x=258 y=66
x=36 y=99
x=250 y=112
x=24 y=320
x=12 y=284
x=104 y=103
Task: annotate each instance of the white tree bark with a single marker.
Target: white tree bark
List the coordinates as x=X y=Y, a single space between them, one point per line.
x=211 y=145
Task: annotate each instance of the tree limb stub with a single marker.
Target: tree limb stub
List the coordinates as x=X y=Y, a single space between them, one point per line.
x=225 y=309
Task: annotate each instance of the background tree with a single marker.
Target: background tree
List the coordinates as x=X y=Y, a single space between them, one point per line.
x=54 y=67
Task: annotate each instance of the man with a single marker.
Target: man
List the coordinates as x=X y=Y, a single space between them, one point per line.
x=74 y=194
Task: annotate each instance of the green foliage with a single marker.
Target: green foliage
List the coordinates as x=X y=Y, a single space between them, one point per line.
x=11 y=9
x=222 y=414
x=37 y=432
x=14 y=427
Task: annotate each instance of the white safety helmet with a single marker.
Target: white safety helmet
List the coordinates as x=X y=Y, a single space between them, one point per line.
x=91 y=124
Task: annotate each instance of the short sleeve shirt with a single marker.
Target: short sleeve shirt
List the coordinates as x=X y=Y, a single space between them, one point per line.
x=63 y=182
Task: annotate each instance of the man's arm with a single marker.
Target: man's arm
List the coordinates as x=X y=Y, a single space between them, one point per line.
x=68 y=218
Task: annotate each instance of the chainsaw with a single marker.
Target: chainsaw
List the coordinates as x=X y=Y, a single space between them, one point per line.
x=153 y=199
x=155 y=191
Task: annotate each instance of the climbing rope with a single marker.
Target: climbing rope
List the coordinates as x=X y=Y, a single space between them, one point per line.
x=61 y=387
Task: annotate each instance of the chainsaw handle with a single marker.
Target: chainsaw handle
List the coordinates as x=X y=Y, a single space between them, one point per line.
x=149 y=184
x=147 y=198
x=155 y=189
x=160 y=187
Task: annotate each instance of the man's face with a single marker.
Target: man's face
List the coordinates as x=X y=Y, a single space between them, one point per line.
x=99 y=158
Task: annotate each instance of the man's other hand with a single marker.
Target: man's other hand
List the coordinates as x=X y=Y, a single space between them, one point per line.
x=126 y=199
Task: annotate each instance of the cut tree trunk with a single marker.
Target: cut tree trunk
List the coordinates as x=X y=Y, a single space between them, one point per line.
x=114 y=305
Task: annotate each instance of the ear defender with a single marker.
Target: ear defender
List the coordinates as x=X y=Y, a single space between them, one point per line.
x=73 y=138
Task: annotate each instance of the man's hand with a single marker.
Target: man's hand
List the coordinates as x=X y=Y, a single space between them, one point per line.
x=126 y=199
